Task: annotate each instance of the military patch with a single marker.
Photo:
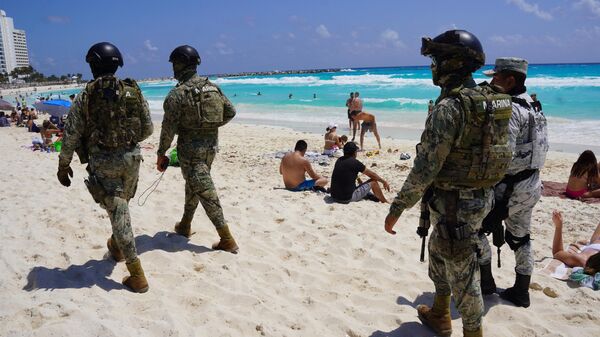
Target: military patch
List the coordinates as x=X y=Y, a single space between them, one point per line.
x=209 y=88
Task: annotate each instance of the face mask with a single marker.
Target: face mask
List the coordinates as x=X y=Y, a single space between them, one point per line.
x=181 y=72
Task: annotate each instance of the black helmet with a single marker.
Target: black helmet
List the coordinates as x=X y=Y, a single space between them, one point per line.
x=104 y=54
x=185 y=54
x=458 y=44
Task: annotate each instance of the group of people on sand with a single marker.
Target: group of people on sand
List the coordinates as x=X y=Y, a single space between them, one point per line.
x=356 y=115
x=345 y=187
x=583 y=183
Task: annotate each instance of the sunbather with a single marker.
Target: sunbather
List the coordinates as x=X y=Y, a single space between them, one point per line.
x=584 y=180
x=587 y=256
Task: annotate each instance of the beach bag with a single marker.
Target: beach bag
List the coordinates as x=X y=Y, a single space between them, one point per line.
x=173 y=160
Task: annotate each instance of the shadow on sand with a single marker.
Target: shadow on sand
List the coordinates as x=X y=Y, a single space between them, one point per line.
x=97 y=272
x=416 y=329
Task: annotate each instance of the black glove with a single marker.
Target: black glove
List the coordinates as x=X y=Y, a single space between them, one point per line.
x=422 y=231
x=63 y=175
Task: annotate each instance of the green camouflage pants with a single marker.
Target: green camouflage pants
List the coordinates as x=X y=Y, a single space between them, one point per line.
x=453 y=266
x=199 y=188
x=117 y=171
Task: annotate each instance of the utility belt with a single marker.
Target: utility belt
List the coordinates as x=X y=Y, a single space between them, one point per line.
x=449 y=228
x=198 y=133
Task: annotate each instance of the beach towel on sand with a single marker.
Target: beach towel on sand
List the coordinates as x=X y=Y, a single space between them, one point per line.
x=556 y=269
x=557 y=189
x=585 y=280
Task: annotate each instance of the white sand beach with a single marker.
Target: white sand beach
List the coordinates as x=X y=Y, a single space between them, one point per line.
x=306 y=267
x=40 y=89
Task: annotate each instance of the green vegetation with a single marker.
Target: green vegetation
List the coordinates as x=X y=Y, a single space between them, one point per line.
x=30 y=75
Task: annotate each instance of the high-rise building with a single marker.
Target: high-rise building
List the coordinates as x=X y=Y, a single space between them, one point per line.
x=13 y=45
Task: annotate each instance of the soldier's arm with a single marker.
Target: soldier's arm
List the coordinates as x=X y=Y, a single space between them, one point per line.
x=516 y=126
x=440 y=133
x=74 y=129
x=146 y=121
x=228 y=109
x=169 y=124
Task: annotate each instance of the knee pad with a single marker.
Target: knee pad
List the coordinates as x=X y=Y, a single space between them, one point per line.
x=515 y=242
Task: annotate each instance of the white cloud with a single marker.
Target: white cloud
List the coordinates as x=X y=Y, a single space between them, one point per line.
x=354 y=34
x=390 y=36
x=223 y=49
x=149 y=46
x=291 y=35
x=591 y=5
x=589 y=33
x=50 y=61
x=508 y=39
x=130 y=59
x=531 y=8
x=323 y=32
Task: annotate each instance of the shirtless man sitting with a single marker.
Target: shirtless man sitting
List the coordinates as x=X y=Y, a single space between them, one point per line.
x=294 y=166
x=368 y=124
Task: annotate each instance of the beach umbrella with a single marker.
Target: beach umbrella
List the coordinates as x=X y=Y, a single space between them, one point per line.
x=55 y=107
x=4 y=105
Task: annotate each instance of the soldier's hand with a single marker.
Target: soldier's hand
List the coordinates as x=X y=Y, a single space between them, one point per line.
x=63 y=175
x=162 y=162
x=390 y=221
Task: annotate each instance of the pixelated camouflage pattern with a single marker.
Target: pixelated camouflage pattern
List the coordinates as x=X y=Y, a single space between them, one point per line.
x=115 y=169
x=114 y=110
x=453 y=264
x=526 y=193
x=196 y=146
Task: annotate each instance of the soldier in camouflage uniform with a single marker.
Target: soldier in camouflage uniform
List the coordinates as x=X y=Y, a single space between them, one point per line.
x=520 y=190
x=194 y=110
x=106 y=122
x=463 y=152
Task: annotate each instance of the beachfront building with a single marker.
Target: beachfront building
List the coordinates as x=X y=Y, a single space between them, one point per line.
x=13 y=45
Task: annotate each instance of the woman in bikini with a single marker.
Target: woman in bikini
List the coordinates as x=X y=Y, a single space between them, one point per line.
x=587 y=256
x=584 y=180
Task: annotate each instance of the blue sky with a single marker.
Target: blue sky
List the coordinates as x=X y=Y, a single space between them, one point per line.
x=235 y=36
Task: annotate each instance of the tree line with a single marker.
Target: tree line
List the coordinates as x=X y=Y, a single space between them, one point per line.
x=30 y=75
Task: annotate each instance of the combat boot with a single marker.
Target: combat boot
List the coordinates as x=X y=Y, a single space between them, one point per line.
x=438 y=317
x=115 y=251
x=137 y=280
x=227 y=243
x=477 y=333
x=519 y=293
x=488 y=285
x=184 y=227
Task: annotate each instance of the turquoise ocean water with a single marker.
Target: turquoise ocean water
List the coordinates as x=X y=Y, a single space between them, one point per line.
x=398 y=96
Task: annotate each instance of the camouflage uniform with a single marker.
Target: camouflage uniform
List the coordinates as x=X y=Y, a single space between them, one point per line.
x=115 y=169
x=196 y=144
x=526 y=193
x=453 y=264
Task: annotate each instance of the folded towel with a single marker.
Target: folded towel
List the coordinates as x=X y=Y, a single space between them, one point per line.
x=556 y=269
x=583 y=279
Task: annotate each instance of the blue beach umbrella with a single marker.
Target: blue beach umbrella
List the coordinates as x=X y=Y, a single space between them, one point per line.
x=4 y=105
x=55 y=107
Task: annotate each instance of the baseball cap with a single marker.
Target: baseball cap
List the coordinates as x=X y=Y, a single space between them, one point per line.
x=508 y=63
x=332 y=125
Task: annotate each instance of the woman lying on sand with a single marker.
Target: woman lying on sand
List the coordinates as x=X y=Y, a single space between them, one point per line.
x=587 y=256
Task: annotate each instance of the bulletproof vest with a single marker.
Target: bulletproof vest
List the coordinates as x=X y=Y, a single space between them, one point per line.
x=113 y=112
x=203 y=105
x=481 y=153
x=532 y=147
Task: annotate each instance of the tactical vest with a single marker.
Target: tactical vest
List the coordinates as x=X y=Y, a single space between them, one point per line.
x=204 y=105
x=113 y=112
x=481 y=153
x=531 y=150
